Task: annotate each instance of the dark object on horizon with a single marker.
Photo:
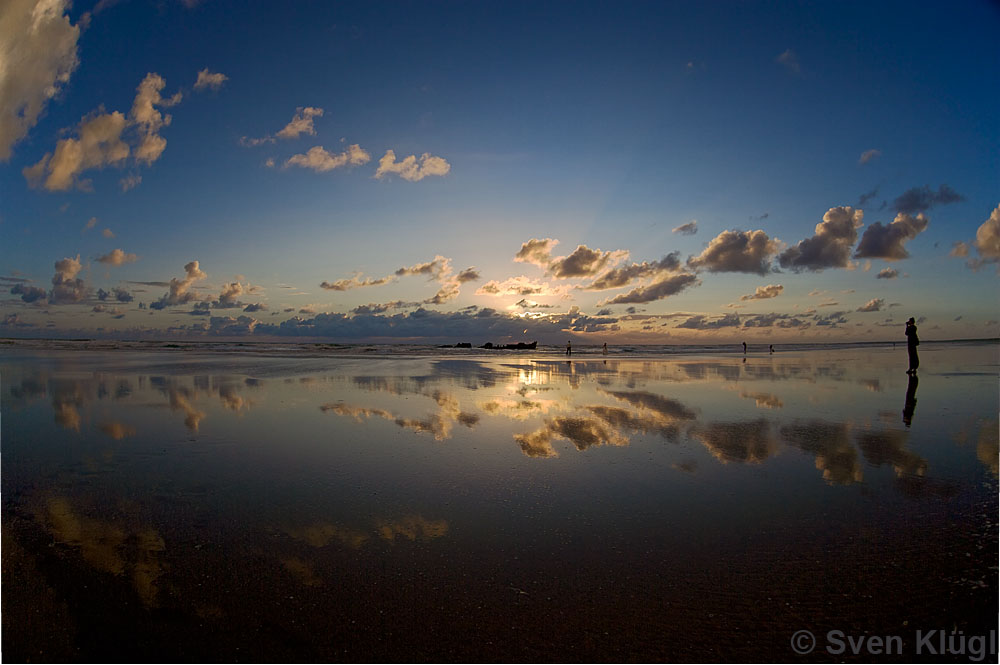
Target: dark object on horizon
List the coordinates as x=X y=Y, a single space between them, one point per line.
x=744 y=348
x=605 y=350
x=911 y=346
x=464 y=345
x=911 y=399
x=519 y=346
x=569 y=348
x=770 y=347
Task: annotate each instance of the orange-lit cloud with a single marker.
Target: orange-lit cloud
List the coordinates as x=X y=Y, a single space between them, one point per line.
x=412 y=168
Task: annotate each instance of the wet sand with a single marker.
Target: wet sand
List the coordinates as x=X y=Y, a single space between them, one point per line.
x=198 y=506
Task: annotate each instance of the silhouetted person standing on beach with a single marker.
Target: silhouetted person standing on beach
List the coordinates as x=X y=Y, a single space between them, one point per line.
x=605 y=350
x=569 y=348
x=911 y=345
x=770 y=347
x=744 y=348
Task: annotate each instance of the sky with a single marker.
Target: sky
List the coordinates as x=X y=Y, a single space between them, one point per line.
x=661 y=173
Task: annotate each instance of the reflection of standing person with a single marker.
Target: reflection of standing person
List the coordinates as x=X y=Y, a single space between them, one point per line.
x=605 y=349
x=569 y=348
x=744 y=348
x=911 y=345
x=911 y=399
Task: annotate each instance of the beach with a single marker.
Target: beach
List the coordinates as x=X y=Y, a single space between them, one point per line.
x=339 y=504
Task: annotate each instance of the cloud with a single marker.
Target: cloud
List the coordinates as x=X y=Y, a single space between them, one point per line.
x=130 y=181
x=29 y=294
x=867 y=196
x=379 y=308
x=91 y=223
x=790 y=61
x=471 y=323
x=40 y=55
x=108 y=233
x=301 y=123
x=66 y=286
x=922 y=199
x=438 y=269
x=619 y=277
x=737 y=251
x=411 y=168
x=987 y=241
x=536 y=251
x=179 y=292
x=701 y=322
x=830 y=247
x=765 y=292
x=869 y=155
x=515 y=286
x=662 y=288
x=119 y=294
x=148 y=119
x=873 y=305
x=959 y=249
x=887 y=273
x=687 y=229
x=255 y=307
x=833 y=319
x=99 y=141
x=117 y=258
x=531 y=304
x=584 y=262
x=433 y=269
x=885 y=241
x=773 y=319
x=210 y=80
x=354 y=283
x=320 y=160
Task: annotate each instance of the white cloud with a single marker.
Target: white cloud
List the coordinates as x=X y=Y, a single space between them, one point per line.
x=320 y=160
x=411 y=168
x=108 y=233
x=212 y=80
x=38 y=54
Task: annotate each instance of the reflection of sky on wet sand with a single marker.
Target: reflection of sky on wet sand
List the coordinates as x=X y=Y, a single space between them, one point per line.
x=304 y=476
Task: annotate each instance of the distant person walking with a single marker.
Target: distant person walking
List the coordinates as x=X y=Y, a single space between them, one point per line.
x=911 y=345
x=744 y=348
x=569 y=348
x=605 y=349
x=770 y=347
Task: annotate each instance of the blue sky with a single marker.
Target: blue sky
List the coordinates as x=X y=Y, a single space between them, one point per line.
x=596 y=125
